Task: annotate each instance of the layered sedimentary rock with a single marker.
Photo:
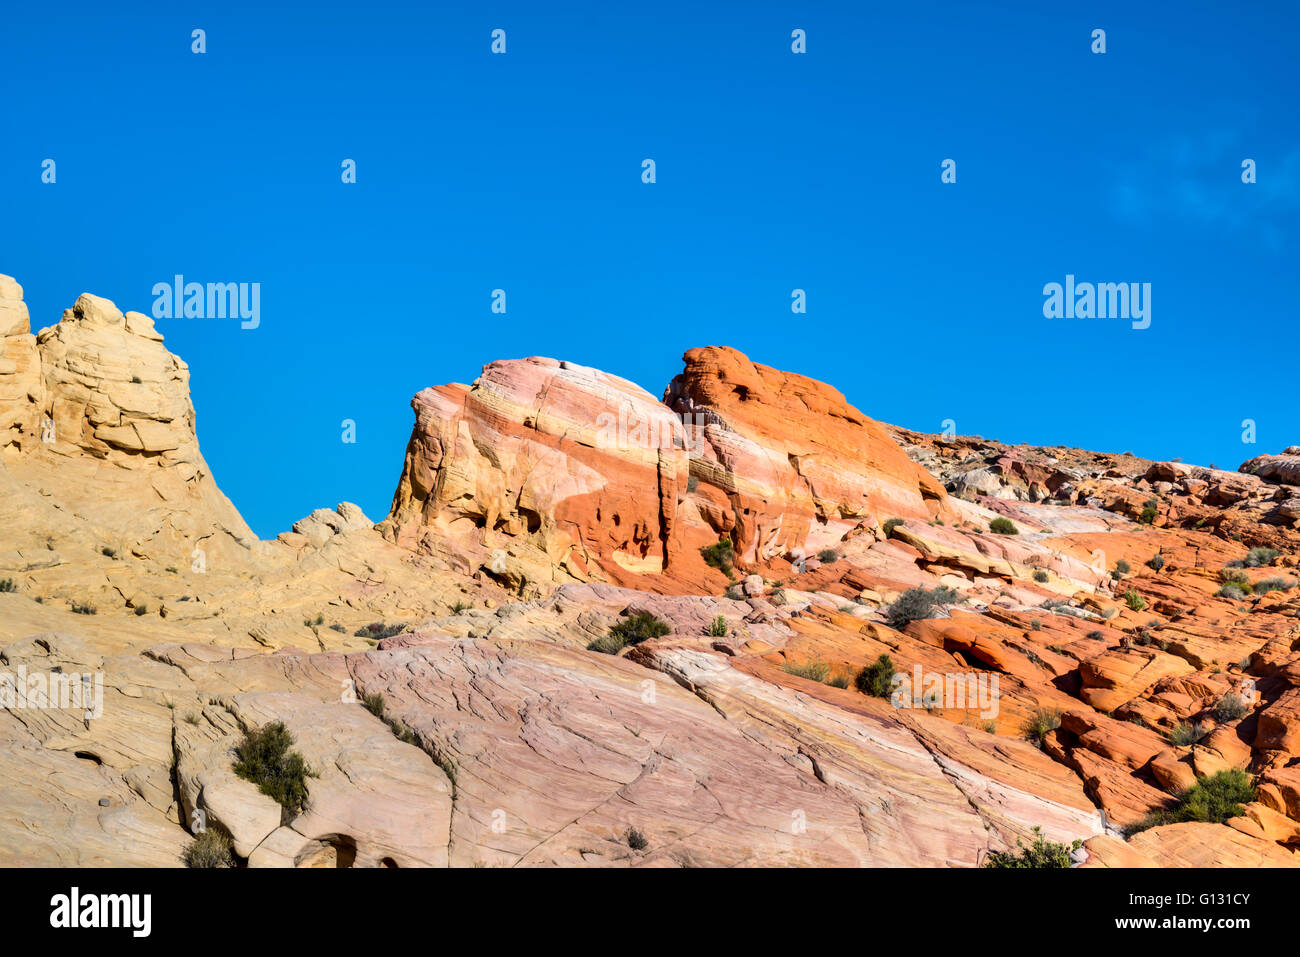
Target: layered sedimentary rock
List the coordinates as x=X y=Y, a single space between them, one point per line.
x=798 y=466
x=609 y=484
x=440 y=674
x=98 y=397
x=582 y=467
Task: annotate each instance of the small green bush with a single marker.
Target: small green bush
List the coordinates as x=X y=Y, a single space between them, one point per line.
x=1230 y=707
x=812 y=670
x=265 y=757
x=1234 y=592
x=1042 y=721
x=1003 y=526
x=7 y=585
x=718 y=627
x=1234 y=576
x=631 y=631
x=1184 y=734
x=374 y=703
x=108 y=552
x=877 y=678
x=309 y=622
x=1042 y=854
x=1212 y=800
x=917 y=603
x=828 y=556
x=720 y=555
x=1134 y=600
x=377 y=631
x=1257 y=557
x=1040 y=576
x=636 y=840
x=1276 y=583
x=1156 y=562
x=84 y=608
x=460 y=607
x=890 y=525
x=211 y=847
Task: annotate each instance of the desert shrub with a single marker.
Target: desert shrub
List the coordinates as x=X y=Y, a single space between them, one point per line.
x=1040 y=723
x=812 y=670
x=1235 y=592
x=1230 y=707
x=339 y=628
x=1184 y=734
x=377 y=630
x=1148 y=515
x=636 y=840
x=7 y=585
x=141 y=610
x=1257 y=557
x=840 y=679
x=720 y=555
x=1040 y=576
x=1134 y=600
x=318 y=620
x=1276 y=583
x=718 y=627
x=211 y=847
x=1156 y=562
x=108 y=552
x=877 y=678
x=917 y=603
x=631 y=631
x=828 y=555
x=1212 y=800
x=692 y=483
x=84 y=608
x=1036 y=624
x=265 y=757
x=460 y=607
x=1122 y=568
x=1234 y=576
x=890 y=525
x=1042 y=853
x=1095 y=634
x=1003 y=526
x=374 y=703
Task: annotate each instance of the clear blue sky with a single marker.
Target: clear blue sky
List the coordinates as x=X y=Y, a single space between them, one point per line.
x=775 y=171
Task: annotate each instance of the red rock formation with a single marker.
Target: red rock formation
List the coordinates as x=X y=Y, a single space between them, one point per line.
x=799 y=466
x=591 y=473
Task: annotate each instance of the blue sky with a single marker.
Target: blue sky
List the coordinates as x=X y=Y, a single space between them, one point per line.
x=775 y=171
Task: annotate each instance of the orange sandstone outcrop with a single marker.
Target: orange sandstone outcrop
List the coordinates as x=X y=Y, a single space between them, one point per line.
x=799 y=466
x=547 y=471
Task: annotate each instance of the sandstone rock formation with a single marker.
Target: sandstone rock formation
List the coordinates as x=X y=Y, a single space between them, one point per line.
x=439 y=675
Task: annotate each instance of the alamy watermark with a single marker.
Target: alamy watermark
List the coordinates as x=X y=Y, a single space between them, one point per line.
x=215 y=300
x=630 y=430
x=1103 y=300
x=55 y=690
x=933 y=689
